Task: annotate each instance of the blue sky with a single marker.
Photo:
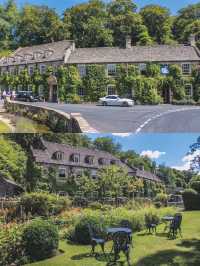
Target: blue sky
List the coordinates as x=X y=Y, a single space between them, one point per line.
x=60 y=5
x=168 y=149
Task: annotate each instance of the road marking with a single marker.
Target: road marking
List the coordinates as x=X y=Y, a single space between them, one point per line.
x=139 y=129
x=84 y=125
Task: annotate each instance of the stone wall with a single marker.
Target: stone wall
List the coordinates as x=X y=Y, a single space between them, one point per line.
x=57 y=121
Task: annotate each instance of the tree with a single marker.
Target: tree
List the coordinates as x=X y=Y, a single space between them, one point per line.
x=158 y=22
x=186 y=17
x=107 y=144
x=124 y=21
x=38 y=25
x=88 y=24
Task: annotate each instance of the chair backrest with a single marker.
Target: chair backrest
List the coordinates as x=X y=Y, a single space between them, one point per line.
x=91 y=233
x=126 y=224
x=177 y=220
x=121 y=241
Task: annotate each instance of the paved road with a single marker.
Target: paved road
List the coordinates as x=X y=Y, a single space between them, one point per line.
x=137 y=119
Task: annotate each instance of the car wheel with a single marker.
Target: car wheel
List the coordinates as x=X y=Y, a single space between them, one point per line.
x=104 y=104
x=125 y=104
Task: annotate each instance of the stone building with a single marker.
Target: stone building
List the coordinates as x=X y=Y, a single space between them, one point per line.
x=67 y=160
x=9 y=188
x=65 y=53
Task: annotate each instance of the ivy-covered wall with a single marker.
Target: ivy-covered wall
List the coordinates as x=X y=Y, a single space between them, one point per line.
x=148 y=87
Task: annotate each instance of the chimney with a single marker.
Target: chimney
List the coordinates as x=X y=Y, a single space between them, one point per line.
x=128 y=42
x=192 y=40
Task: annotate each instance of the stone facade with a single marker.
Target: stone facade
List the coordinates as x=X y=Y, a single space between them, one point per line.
x=67 y=161
x=65 y=53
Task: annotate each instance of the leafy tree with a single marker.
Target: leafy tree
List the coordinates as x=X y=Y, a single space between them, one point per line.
x=39 y=24
x=157 y=20
x=12 y=160
x=107 y=144
x=124 y=21
x=88 y=24
x=186 y=17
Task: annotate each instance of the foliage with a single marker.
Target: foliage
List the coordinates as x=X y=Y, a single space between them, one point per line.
x=162 y=198
x=195 y=183
x=43 y=204
x=12 y=160
x=11 y=246
x=191 y=199
x=40 y=239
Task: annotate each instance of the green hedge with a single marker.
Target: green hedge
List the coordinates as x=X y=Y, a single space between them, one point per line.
x=191 y=199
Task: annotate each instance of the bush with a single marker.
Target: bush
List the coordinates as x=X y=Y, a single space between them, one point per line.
x=11 y=247
x=40 y=239
x=73 y=98
x=191 y=199
x=43 y=204
x=184 y=102
x=195 y=183
x=162 y=198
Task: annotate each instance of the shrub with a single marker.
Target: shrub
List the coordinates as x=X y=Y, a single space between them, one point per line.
x=184 y=102
x=40 y=239
x=162 y=198
x=11 y=247
x=73 y=98
x=195 y=183
x=43 y=204
x=191 y=199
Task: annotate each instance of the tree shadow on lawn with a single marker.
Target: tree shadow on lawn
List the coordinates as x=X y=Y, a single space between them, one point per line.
x=173 y=257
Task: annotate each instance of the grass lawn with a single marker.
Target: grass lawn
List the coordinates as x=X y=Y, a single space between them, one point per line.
x=4 y=128
x=149 y=250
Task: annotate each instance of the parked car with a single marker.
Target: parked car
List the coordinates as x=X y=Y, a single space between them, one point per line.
x=115 y=100
x=26 y=96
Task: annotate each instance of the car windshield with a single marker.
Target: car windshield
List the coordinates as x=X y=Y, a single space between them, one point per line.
x=112 y=97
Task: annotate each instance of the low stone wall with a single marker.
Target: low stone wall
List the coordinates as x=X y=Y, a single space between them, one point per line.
x=57 y=121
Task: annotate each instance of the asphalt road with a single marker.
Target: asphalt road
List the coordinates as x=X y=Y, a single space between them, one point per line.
x=137 y=119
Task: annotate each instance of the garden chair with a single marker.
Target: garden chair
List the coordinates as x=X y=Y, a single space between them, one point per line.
x=151 y=225
x=127 y=224
x=121 y=243
x=96 y=240
x=175 y=226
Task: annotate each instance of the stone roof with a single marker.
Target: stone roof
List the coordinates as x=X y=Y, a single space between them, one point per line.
x=135 y=54
x=57 y=51
x=44 y=156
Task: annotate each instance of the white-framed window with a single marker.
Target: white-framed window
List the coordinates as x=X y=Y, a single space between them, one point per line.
x=164 y=69
x=30 y=87
x=19 y=87
x=42 y=69
x=62 y=172
x=31 y=70
x=189 y=90
x=41 y=90
x=82 y=70
x=111 y=69
x=81 y=92
x=12 y=70
x=20 y=68
x=89 y=159
x=75 y=158
x=142 y=67
x=186 y=69
x=111 y=90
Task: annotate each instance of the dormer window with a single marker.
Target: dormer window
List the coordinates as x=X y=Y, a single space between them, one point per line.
x=58 y=156
x=111 y=69
x=75 y=158
x=113 y=162
x=102 y=161
x=89 y=159
x=37 y=55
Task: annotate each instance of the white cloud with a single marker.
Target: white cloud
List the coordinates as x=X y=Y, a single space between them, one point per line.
x=152 y=154
x=187 y=161
x=122 y=135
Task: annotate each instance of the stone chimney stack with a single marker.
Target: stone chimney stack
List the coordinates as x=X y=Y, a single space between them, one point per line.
x=128 y=42
x=192 y=40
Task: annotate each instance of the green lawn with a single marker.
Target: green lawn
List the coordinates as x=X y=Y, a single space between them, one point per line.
x=149 y=250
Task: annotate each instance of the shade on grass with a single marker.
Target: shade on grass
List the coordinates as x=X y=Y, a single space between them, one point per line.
x=149 y=250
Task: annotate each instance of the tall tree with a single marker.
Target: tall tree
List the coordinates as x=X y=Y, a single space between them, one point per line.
x=124 y=21
x=39 y=24
x=88 y=24
x=157 y=20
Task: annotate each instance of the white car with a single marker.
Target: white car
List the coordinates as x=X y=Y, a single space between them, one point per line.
x=115 y=100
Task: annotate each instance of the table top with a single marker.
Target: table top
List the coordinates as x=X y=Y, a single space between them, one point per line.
x=168 y=218
x=119 y=229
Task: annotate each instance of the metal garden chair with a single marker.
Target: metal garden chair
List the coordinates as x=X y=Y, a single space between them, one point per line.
x=95 y=240
x=175 y=226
